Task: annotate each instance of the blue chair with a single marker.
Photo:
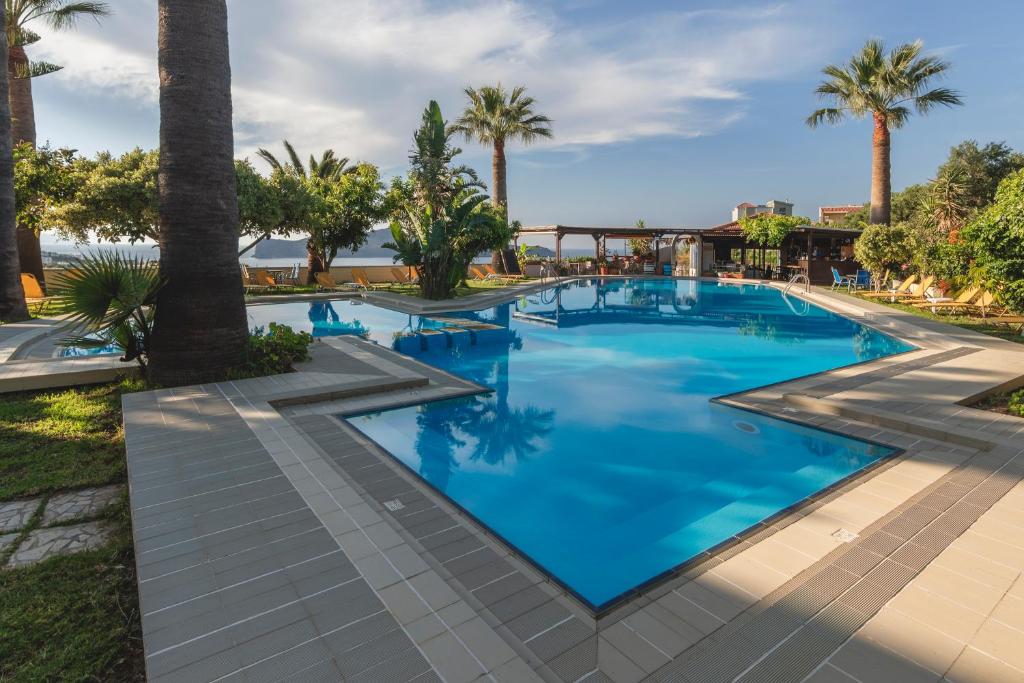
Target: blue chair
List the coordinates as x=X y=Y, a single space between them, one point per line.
x=837 y=279
x=863 y=280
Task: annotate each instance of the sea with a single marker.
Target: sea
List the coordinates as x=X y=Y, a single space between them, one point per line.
x=150 y=252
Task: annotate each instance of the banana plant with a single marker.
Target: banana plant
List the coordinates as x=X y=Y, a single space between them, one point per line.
x=109 y=299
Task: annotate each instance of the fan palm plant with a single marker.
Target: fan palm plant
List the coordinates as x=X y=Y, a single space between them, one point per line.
x=888 y=87
x=110 y=300
x=201 y=332
x=59 y=15
x=494 y=117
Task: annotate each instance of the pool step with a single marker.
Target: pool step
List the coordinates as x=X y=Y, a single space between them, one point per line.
x=535 y=319
x=450 y=336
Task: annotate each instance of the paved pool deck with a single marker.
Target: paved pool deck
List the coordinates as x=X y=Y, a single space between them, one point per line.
x=273 y=542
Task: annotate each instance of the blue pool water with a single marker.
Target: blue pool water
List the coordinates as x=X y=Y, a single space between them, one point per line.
x=599 y=454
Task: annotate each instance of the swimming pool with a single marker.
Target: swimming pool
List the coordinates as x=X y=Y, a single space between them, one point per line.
x=599 y=454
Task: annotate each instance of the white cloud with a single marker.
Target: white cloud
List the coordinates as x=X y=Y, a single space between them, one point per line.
x=354 y=75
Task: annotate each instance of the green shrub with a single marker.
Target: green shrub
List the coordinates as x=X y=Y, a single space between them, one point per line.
x=275 y=351
x=944 y=260
x=996 y=239
x=884 y=247
x=1016 y=404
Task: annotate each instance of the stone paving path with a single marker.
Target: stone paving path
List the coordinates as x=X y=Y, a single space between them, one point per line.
x=68 y=506
x=15 y=515
x=48 y=540
x=62 y=540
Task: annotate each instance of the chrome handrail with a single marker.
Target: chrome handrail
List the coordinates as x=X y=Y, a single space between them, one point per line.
x=795 y=279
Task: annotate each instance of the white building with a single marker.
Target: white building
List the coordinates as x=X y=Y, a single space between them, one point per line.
x=771 y=206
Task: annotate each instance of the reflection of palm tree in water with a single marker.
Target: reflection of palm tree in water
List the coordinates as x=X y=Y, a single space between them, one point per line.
x=327 y=322
x=435 y=443
x=501 y=430
x=498 y=429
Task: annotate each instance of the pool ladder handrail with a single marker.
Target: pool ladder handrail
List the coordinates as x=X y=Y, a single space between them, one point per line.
x=795 y=279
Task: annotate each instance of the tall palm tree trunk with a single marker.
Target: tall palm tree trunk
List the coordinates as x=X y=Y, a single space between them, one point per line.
x=881 y=168
x=12 y=296
x=503 y=260
x=23 y=129
x=200 y=331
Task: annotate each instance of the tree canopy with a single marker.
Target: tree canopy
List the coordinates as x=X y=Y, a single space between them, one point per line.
x=887 y=85
x=882 y=248
x=114 y=198
x=770 y=229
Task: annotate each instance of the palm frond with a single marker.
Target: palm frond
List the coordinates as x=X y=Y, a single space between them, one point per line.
x=293 y=155
x=64 y=15
x=938 y=97
x=268 y=156
x=831 y=115
x=34 y=69
x=874 y=81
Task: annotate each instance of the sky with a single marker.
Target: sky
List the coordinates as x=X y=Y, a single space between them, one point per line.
x=673 y=112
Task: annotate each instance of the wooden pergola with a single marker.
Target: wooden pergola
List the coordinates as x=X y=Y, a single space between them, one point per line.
x=602 y=234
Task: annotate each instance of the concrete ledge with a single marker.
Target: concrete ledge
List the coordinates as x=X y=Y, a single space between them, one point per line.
x=905 y=423
x=344 y=390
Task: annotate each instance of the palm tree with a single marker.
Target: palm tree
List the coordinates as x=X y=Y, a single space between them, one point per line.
x=948 y=203
x=327 y=168
x=494 y=117
x=200 y=330
x=60 y=15
x=888 y=87
x=12 y=296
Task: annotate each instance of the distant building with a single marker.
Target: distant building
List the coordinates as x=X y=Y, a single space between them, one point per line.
x=772 y=206
x=833 y=215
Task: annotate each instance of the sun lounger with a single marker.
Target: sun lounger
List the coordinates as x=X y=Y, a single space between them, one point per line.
x=324 y=281
x=964 y=299
x=359 y=275
x=493 y=274
x=262 y=278
x=904 y=288
x=402 y=277
x=34 y=295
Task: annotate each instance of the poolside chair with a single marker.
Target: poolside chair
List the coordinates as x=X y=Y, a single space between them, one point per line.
x=481 y=275
x=404 y=278
x=292 y=278
x=841 y=280
x=984 y=304
x=1015 y=321
x=495 y=275
x=963 y=300
x=34 y=294
x=325 y=282
x=359 y=275
x=262 y=278
x=918 y=292
x=903 y=289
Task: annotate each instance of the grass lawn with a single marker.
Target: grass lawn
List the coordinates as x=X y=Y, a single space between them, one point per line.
x=71 y=617
x=469 y=287
x=60 y=440
x=968 y=322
